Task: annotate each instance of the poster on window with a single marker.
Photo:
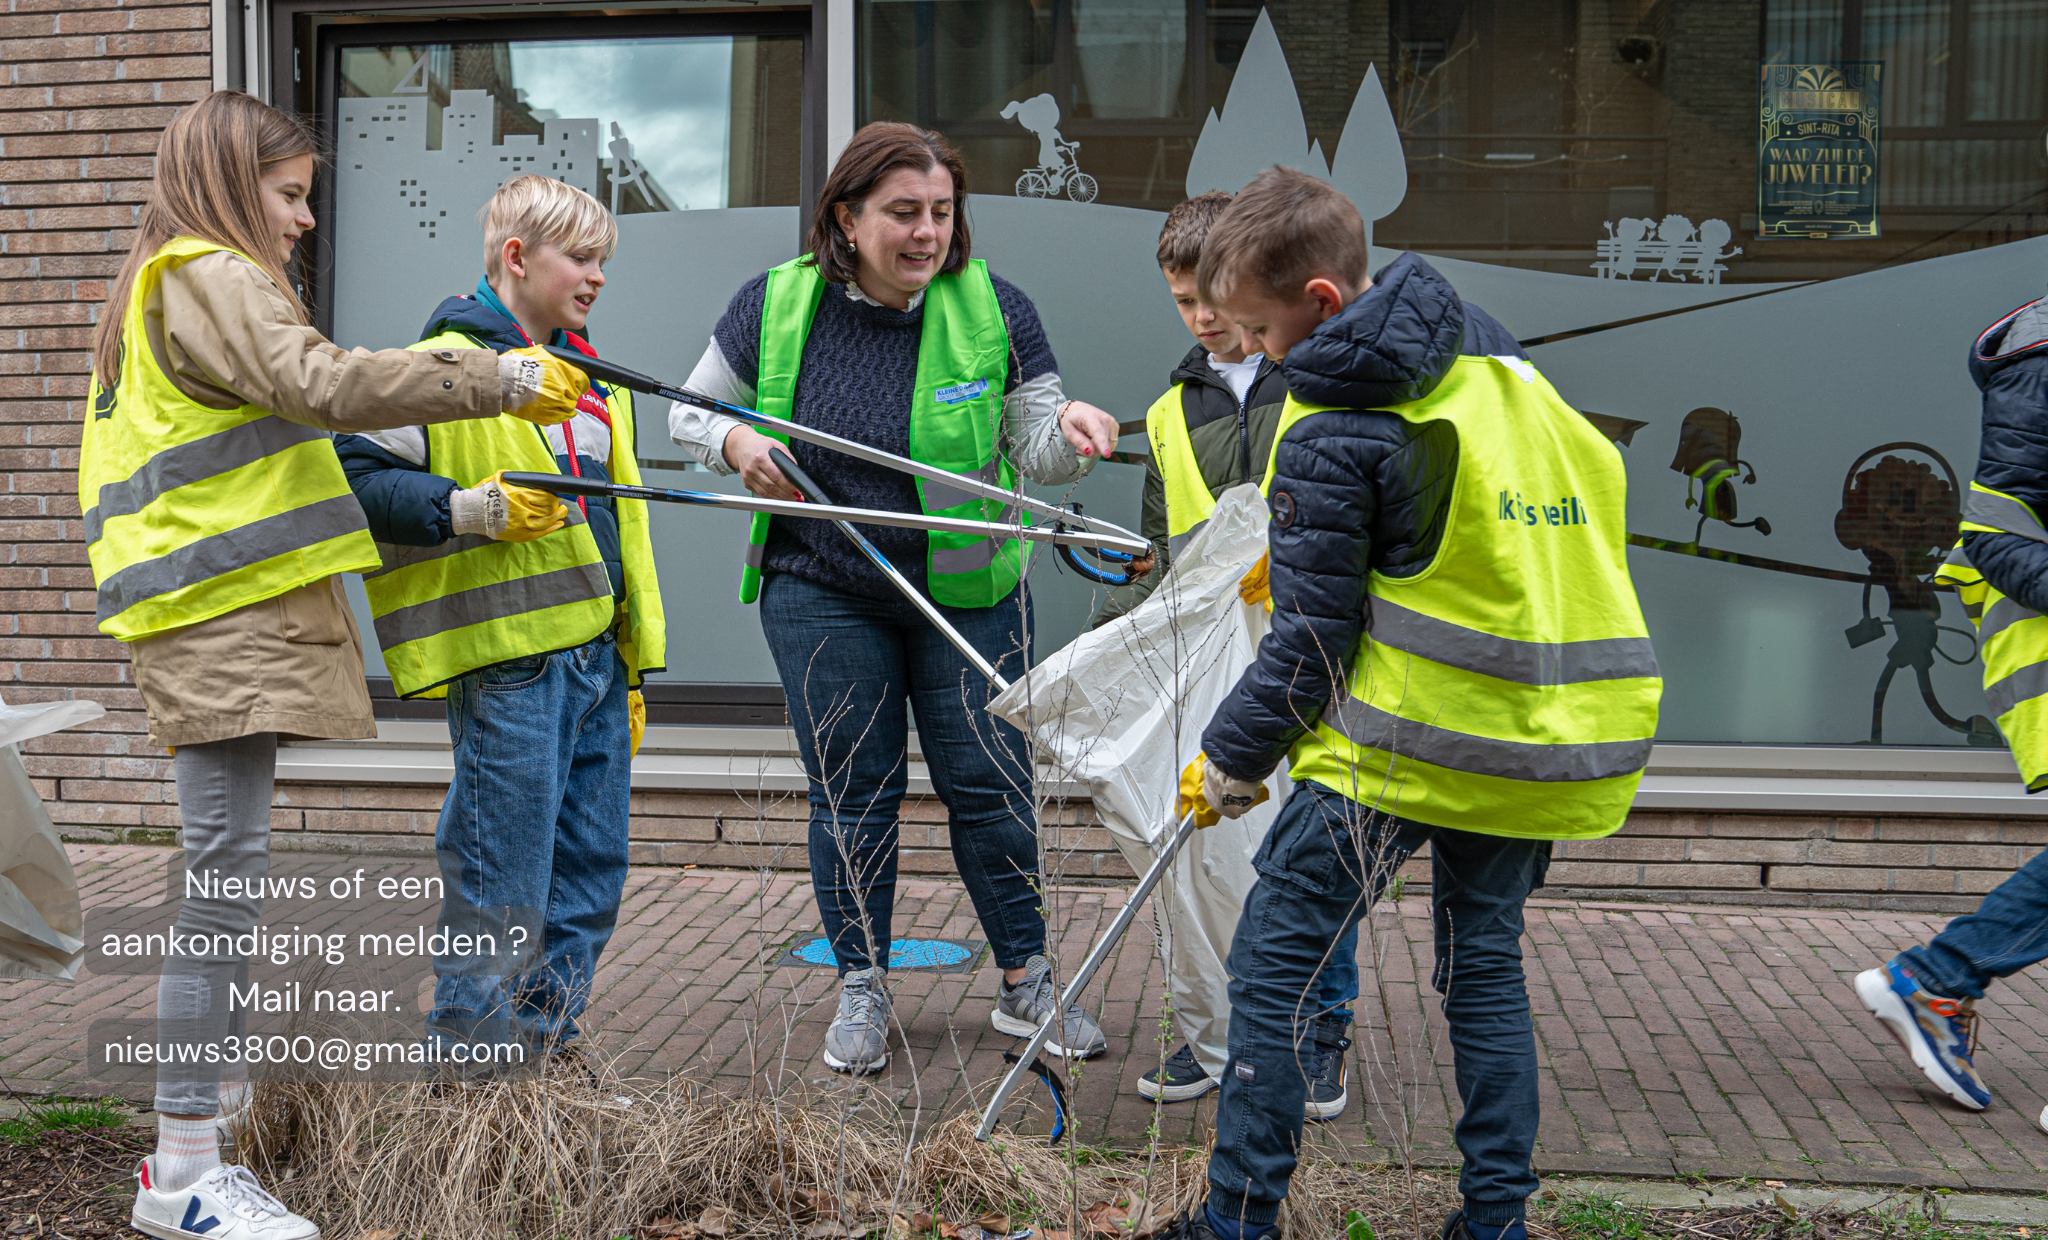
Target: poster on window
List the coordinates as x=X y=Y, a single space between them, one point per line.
x=1816 y=155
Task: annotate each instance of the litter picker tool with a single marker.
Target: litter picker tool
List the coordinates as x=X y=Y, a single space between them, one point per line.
x=1067 y=522
x=809 y=486
x=1020 y=1067
x=565 y=484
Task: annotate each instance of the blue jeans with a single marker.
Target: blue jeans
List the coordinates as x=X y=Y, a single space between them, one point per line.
x=532 y=841
x=2008 y=932
x=851 y=668
x=1322 y=865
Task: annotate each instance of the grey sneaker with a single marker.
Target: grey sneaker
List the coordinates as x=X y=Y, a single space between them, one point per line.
x=1327 y=1096
x=1022 y=1008
x=858 y=1040
x=1180 y=1079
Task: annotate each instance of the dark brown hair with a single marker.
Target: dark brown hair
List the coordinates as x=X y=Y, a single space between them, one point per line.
x=209 y=165
x=1284 y=229
x=1187 y=227
x=879 y=149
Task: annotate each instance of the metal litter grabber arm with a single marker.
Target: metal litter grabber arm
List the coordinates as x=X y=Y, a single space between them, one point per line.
x=1117 y=537
x=1021 y=1067
x=565 y=484
x=809 y=486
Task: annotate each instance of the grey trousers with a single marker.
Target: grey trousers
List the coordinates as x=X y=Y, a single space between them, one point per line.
x=224 y=793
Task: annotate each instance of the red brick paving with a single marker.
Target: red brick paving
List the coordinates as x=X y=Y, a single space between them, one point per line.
x=1674 y=1040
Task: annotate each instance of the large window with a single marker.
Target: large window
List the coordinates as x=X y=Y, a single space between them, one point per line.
x=1793 y=410
x=692 y=129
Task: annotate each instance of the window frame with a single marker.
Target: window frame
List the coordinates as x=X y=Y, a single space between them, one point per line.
x=318 y=91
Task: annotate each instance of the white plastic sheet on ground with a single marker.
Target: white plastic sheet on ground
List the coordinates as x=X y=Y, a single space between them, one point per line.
x=1122 y=710
x=40 y=917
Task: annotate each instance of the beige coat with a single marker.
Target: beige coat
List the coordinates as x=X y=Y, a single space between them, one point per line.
x=293 y=664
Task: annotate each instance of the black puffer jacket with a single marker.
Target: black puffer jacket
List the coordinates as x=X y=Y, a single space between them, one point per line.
x=1355 y=490
x=2010 y=364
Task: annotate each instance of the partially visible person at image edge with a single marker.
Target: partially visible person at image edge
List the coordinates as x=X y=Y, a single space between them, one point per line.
x=889 y=332
x=534 y=618
x=1927 y=995
x=217 y=521
x=1445 y=667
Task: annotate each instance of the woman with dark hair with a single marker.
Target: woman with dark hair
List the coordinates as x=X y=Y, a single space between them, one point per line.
x=889 y=332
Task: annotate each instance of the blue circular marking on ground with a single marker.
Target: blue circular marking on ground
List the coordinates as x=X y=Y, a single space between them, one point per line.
x=903 y=953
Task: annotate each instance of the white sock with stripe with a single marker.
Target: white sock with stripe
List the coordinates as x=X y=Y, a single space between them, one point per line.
x=186 y=1149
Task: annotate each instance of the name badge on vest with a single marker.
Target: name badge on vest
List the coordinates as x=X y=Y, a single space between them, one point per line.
x=956 y=393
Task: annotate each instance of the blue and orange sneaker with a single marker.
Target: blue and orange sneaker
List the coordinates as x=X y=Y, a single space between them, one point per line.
x=1940 y=1034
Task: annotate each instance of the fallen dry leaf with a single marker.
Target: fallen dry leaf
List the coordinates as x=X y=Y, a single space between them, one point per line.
x=385 y=1234
x=715 y=1222
x=994 y=1224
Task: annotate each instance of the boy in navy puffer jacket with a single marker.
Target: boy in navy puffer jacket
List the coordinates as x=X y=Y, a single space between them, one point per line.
x=1362 y=500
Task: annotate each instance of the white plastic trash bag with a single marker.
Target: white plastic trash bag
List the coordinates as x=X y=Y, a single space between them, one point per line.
x=40 y=917
x=1122 y=710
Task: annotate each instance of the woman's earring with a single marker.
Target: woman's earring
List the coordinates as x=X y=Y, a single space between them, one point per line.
x=849 y=245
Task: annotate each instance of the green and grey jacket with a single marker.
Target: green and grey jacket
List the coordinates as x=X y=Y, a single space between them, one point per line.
x=1232 y=440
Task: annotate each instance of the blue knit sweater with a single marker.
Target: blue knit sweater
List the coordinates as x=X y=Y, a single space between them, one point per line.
x=858 y=376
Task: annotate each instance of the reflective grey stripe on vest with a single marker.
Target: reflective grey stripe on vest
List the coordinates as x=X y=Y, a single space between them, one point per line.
x=396 y=557
x=2029 y=682
x=938 y=496
x=1505 y=658
x=211 y=557
x=186 y=463
x=755 y=552
x=1178 y=543
x=972 y=558
x=2003 y=514
x=977 y=555
x=1372 y=728
x=2003 y=615
x=495 y=601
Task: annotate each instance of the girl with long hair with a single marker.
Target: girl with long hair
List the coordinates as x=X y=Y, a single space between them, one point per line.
x=218 y=520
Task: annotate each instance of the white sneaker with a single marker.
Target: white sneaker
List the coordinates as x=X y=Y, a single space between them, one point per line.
x=226 y=1204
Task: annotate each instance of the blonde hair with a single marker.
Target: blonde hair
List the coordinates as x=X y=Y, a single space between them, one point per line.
x=1283 y=230
x=209 y=166
x=541 y=211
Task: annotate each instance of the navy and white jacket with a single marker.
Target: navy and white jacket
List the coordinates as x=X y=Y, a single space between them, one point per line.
x=2009 y=362
x=406 y=503
x=1370 y=492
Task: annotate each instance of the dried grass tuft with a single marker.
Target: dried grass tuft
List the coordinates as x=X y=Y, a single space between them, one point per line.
x=584 y=1153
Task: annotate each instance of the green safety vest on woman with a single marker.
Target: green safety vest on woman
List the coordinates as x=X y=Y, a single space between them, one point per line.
x=192 y=512
x=1508 y=688
x=474 y=601
x=2011 y=637
x=956 y=415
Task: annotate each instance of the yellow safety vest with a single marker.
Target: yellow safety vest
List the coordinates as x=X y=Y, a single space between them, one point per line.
x=442 y=612
x=1508 y=688
x=2012 y=638
x=1188 y=502
x=192 y=512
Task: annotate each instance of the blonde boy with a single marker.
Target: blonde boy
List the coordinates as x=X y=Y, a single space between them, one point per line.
x=537 y=620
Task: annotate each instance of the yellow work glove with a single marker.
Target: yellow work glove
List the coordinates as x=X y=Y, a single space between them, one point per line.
x=506 y=513
x=538 y=386
x=636 y=718
x=1256 y=586
x=1211 y=795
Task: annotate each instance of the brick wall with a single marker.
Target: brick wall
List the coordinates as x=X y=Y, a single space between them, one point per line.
x=1933 y=865
x=85 y=88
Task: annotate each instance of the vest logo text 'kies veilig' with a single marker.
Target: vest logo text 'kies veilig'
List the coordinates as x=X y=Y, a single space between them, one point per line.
x=1566 y=511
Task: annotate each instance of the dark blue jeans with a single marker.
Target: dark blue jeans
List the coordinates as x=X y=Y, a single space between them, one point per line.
x=532 y=837
x=1325 y=861
x=2008 y=932
x=852 y=668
